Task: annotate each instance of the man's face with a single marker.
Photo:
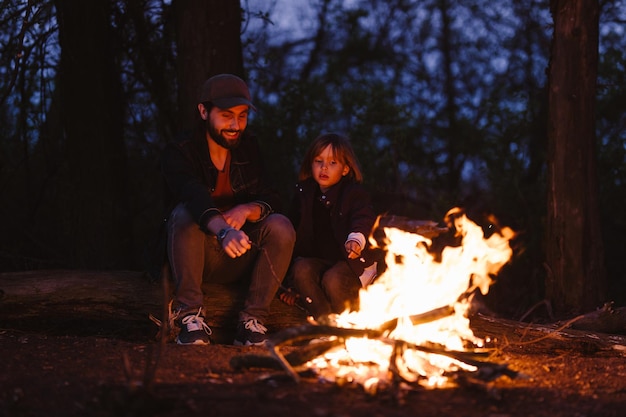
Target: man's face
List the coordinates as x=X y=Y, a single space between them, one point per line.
x=225 y=126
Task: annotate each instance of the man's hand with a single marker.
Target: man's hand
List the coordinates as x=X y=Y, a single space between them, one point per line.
x=238 y=215
x=236 y=243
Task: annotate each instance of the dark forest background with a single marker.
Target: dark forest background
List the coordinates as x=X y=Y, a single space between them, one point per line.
x=447 y=103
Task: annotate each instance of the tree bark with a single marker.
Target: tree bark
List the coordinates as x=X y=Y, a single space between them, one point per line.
x=96 y=208
x=453 y=157
x=208 y=38
x=574 y=252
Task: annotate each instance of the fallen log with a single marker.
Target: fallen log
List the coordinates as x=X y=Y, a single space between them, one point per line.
x=607 y=319
x=427 y=228
x=544 y=336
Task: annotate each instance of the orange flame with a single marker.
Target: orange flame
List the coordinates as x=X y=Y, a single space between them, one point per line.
x=415 y=283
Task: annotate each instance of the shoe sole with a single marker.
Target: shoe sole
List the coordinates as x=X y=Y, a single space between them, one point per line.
x=249 y=343
x=195 y=342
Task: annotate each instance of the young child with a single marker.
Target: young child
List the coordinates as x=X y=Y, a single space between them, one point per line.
x=333 y=217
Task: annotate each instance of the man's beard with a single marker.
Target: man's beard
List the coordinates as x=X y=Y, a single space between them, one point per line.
x=221 y=140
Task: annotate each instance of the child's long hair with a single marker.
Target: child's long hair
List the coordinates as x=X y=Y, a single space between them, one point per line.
x=342 y=150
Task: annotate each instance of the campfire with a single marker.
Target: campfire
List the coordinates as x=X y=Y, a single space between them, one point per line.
x=412 y=325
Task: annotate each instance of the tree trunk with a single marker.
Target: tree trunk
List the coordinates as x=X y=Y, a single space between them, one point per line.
x=208 y=38
x=574 y=250
x=453 y=157
x=96 y=217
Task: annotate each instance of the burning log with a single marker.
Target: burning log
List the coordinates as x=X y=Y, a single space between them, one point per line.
x=314 y=330
x=311 y=331
x=485 y=371
x=432 y=315
x=399 y=371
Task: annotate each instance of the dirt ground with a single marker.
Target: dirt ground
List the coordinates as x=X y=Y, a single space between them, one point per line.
x=53 y=366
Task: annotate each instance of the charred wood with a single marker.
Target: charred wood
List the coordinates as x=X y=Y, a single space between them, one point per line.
x=294 y=358
x=426 y=228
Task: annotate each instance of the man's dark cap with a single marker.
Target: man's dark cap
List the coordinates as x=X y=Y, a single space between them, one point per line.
x=225 y=91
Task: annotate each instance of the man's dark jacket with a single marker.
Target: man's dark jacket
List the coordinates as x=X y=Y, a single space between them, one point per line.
x=190 y=176
x=351 y=210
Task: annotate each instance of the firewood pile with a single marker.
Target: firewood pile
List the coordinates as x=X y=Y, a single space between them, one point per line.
x=320 y=338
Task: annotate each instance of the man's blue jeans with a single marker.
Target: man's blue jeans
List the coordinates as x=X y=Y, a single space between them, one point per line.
x=195 y=256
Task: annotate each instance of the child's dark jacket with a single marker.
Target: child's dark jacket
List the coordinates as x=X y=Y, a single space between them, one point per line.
x=351 y=210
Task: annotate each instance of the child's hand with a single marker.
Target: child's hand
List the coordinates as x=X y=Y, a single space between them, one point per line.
x=353 y=248
x=289 y=297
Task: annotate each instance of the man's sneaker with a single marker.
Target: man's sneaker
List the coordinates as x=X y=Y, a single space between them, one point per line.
x=193 y=330
x=249 y=333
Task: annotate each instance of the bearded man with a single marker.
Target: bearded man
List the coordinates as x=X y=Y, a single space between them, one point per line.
x=224 y=224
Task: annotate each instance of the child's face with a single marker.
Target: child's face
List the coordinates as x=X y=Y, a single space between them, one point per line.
x=327 y=170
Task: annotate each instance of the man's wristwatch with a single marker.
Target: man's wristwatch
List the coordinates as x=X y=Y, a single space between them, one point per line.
x=222 y=233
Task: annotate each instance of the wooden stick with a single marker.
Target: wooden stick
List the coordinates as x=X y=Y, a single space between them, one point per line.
x=294 y=358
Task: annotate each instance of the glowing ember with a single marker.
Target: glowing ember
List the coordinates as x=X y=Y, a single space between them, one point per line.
x=415 y=284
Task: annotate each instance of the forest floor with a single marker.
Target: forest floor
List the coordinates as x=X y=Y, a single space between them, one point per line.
x=98 y=362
